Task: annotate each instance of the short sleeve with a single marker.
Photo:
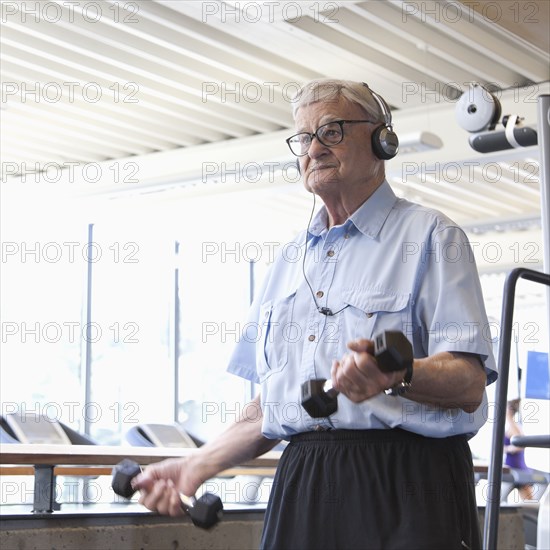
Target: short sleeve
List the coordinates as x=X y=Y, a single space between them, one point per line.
x=450 y=304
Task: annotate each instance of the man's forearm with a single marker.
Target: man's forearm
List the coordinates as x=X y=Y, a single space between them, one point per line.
x=448 y=380
x=239 y=443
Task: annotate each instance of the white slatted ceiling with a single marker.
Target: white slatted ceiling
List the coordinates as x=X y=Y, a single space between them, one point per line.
x=149 y=76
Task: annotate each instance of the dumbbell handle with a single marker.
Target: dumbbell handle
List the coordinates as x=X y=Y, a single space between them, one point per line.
x=133 y=470
x=393 y=352
x=209 y=506
x=328 y=388
x=187 y=502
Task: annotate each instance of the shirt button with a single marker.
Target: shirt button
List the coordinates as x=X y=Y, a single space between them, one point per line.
x=330 y=253
x=369 y=315
x=319 y=294
x=311 y=337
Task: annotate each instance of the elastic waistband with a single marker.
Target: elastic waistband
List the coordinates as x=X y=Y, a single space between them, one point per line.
x=338 y=436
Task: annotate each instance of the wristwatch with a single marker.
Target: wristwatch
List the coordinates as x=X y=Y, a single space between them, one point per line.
x=405 y=385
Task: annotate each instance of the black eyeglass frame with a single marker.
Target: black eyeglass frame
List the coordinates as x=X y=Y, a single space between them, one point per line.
x=314 y=134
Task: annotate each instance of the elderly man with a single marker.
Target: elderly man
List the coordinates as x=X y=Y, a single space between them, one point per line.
x=388 y=469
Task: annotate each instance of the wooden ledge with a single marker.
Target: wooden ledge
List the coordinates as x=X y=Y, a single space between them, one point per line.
x=96 y=459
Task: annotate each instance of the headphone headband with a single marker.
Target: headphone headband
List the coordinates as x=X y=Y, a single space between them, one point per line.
x=385 y=143
x=384 y=109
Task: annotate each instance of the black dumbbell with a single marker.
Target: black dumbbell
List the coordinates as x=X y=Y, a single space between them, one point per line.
x=205 y=511
x=392 y=351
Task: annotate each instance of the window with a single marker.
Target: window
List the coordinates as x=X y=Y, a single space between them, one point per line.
x=42 y=283
x=89 y=300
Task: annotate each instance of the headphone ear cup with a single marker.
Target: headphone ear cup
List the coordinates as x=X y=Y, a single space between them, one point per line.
x=385 y=143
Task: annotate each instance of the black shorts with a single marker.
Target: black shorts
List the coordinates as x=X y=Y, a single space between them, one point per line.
x=373 y=489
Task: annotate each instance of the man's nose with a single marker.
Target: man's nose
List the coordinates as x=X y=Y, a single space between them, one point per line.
x=316 y=148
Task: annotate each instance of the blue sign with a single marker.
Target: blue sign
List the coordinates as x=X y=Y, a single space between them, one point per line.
x=537 y=382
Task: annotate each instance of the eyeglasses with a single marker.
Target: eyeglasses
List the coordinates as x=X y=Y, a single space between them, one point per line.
x=329 y=134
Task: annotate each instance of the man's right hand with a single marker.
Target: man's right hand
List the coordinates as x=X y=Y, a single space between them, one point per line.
x=162 y=483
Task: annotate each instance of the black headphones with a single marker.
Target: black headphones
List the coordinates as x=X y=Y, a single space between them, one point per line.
x=385 y=143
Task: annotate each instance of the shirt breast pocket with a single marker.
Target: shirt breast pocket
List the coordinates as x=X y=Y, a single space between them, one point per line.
x=277 y=331
x=371 y=312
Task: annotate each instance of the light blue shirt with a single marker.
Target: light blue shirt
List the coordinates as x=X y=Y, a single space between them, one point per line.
x=393 y=265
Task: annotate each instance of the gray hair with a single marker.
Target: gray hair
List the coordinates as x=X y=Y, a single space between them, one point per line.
x=332 y=90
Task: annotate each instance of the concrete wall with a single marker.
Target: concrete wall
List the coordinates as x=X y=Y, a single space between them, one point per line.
x=141 y=532
x=238 y=530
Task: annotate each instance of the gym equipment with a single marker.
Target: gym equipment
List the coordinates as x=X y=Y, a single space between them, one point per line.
x=205 y=511
x=490 y=527
x=31 y=428
x=159 y=435
x=392 y=351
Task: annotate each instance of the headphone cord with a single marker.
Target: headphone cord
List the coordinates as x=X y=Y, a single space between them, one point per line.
x=326 y=311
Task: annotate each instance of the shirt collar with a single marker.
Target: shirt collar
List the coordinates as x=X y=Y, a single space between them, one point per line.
x=368 y=218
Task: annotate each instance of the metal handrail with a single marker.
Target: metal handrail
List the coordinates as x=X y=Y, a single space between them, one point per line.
x=492 y=509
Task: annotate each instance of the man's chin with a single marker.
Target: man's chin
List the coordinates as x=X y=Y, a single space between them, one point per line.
x=320 y=179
